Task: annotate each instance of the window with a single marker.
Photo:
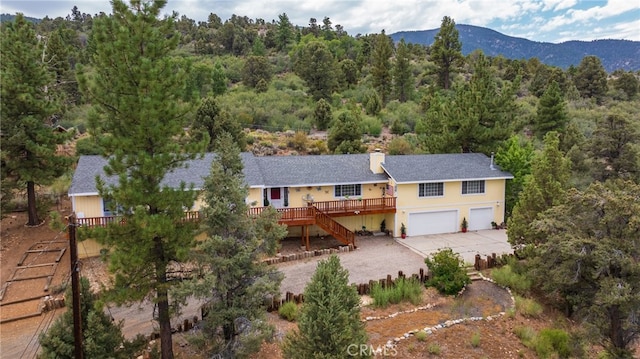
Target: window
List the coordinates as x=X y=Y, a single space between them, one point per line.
x=107 y=207
x=345 y=190
x=472 y=187
x=431 y=189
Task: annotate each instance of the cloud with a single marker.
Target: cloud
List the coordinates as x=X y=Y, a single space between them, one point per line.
x=539 y=20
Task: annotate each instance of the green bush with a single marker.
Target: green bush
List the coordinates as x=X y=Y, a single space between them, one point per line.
x=434 y=349
x=553 y=341
x=525 y=334
x=528 y=307
x=475 y=339
x=421 y=336
x=505 y=276
x=447 y=272
x=403 y=290
x=289 y=311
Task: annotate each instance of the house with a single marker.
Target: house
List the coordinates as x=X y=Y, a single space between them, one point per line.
x=339 y=194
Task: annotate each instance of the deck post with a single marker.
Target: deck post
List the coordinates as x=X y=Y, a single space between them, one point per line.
x=307 y=238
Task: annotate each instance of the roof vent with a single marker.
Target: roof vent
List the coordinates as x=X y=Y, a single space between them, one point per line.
x=493 y=168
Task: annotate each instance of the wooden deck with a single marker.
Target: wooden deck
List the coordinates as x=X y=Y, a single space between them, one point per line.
x=297 y=216
x=319 y=213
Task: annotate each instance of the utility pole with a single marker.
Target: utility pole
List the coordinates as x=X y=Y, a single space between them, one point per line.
x=75 y=289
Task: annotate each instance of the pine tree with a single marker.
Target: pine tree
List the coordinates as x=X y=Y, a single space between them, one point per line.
x=591 y=78
x=614 y=148
x=316 y=65
x=588 y=264
x=135 y=88
x=381 y=66
x=329 y=324
x=212 y=120
x=345 y=135
x=322 y=114
x=218 y=80
x=29 y=142
x=446 y=52
x=102 y=338
x=402 y=79
x=481 y=115
x=543 y=189
x=256 y=68
x=552 y=112
x=285 y=32
x=233 y=280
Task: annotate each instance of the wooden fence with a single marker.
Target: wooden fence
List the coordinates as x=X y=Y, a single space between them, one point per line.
x=363 y=288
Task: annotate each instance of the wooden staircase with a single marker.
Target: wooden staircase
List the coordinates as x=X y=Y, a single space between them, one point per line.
x=338 y=231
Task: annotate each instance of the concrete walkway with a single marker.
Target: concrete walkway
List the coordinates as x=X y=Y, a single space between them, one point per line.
x=484 y=242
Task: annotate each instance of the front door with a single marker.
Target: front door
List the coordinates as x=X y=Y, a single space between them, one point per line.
x=275 y=197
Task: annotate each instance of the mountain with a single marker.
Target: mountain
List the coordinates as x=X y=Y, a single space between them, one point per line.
x=614 y=54
x=10 y=17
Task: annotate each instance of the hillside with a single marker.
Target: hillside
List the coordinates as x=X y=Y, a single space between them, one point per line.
x=614 y=54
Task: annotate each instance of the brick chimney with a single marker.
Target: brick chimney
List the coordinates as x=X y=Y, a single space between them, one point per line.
x=376 y=159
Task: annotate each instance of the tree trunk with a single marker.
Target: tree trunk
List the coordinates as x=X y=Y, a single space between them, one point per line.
x=162 y=297
x=31 y=203
x=616 y=332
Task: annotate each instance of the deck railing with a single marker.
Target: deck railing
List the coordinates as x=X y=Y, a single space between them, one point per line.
x=191 y=216
x=357 y=205
x=339 y=231
x=288 y=215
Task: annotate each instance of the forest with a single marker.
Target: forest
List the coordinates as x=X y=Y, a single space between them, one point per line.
x=571 y=138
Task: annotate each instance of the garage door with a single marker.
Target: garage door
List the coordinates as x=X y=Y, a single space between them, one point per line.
x=432 y=223
x=480 y=218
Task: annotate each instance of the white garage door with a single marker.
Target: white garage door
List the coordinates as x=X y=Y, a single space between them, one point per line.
x=480 y=218
x=432 y=223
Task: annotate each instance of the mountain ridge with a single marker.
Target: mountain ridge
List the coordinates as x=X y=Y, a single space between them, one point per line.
x=614 y=54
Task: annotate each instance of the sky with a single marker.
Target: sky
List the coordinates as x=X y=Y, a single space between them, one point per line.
x=538 y=20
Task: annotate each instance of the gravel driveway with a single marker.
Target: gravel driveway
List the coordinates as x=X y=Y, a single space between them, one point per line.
x=374 y=258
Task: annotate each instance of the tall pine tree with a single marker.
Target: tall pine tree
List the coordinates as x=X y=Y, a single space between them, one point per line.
x=551 y=113
x=402 y=79
x=234 y=282
x=135 y=89
x=591 y=78
x=446 y=52
x=29 y=142
x=381 y=66
x=482 y=114
x=544 y=188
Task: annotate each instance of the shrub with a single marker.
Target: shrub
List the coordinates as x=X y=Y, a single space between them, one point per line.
x=553 y=341
x=475 y=340
x=380 y=295
x=403 y=290
x=434 y=349
x=289 y=311
x=421 y=336
x=525 y=334
x=528 y=307
x=505 y=276
x=447 y=271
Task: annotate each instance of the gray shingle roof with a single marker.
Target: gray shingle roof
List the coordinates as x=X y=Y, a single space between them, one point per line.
x=84 y=178
x=442 y=167
x=294 y=171
x=317 y=170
